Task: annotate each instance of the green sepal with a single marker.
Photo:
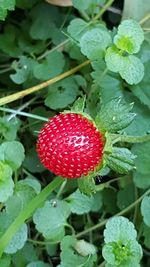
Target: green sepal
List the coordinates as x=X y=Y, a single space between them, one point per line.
x=87 y=185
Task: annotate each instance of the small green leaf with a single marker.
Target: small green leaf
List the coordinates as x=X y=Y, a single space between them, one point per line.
x=114 y=116
x=25 y=255
x=6 y=5
x=79 y=105
x=9 y=128
x=141 y=180
x=126 y=196
x=18 y=240
x=24 y=69
x=145 y=210
x=94 y=42
x=86 y=184
x=51 y=66
x=62 y=94
x=38 y=264
x=121 y=160
x=12 y=152
x=80 y=203
x=84 y=248
x=129 y=37
x=76 y=28
x=142 y=152
x=6 y=182
x=50 y=220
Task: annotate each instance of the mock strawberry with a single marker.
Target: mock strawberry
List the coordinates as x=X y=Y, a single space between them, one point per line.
x=69 y=145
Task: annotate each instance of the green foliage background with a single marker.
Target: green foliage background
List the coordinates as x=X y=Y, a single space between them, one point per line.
x=94 y=221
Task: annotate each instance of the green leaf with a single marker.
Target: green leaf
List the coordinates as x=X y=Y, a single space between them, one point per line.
x=146 y=235
x=9 y=128
x=121 y=160
x=38 y=264
x=61 y=94
x=126 y=196
x=141 y=180
x=6 y=182
x=31 y=182
x=12 y=152
x=141 y=90
x=84 y=248
x=142 y=152
x=50 y=220
x=129 y=37
x=145 y=210
x=94 y=42
x=23 y=194
x=5 y=261
x=32 y=162
x=25 y=3
x=25 y=255
x=80 y=203
x=114 y=116
x=51 y=66
x=86 y=184
x=76 y=28
x=79 y=104
x=18 y=240
x=24 y=70
x=121 y=248
x=6 y=5
x=81 y=4
x=129 y=67
x=110 y=201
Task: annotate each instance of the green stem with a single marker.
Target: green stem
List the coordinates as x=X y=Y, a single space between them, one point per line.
x=102 y=264
x=147 y=17
x=103 y=9
x=5 y=70
x=130 y=139
x=27 y=212
x=61 y=188
x=21 y=113
x=99 y=225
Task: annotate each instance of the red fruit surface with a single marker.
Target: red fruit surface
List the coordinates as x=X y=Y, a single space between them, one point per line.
x=69 y=145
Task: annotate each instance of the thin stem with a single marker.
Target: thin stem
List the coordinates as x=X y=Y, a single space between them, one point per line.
x=61 y=188
x=41 y=243
x=21 y=113
x=21 y=94
x=146 y=17
x=103 y=9
x=130 y=139
x=136 y=207
x=99 y=225
x=102 y=264
x=5 y=70
x=27 y=212
x=53 y=49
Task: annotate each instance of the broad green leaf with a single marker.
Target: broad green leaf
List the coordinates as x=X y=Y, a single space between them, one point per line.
x=6 y=182
x=114 y=116
x=50 y=220
x=6 y=5
x=126 y=196
x=146 y=234
x=80 y=203
x=32 y=162
x=51 y=66
x=31 y=182
x=9 y=40
x=38 y=264
x=23 y=194
x=9 y=128
x=120 y=229
x=142 y=152
x=145 y=210
x=121 y=160
x=25 y=255
x=61 y=94
x=81 y=4
x=12 y=152
x=24 y=70
x=129 y=37
x=76 y=28
x=141 y=90
x=94 y=42
x=5 y=261
x=18 y=240
x=141 y=180
x=129 y=67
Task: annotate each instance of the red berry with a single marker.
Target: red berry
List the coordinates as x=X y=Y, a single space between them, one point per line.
x=69 y=145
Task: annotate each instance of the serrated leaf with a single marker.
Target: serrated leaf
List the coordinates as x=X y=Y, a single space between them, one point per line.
x=62 y=94
x=129 y=67
x=9 y=128
x=31 y=182
x=6 y=182
x=51 y=219
x=18 y=240
x=129 y=37
x=76 y=28
x=24 y=70
x=114 y=116
x=94 y=42
x=80 y=203
x=121 y=160
x=12 y=152
x=51 y=66
x=145 y=210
